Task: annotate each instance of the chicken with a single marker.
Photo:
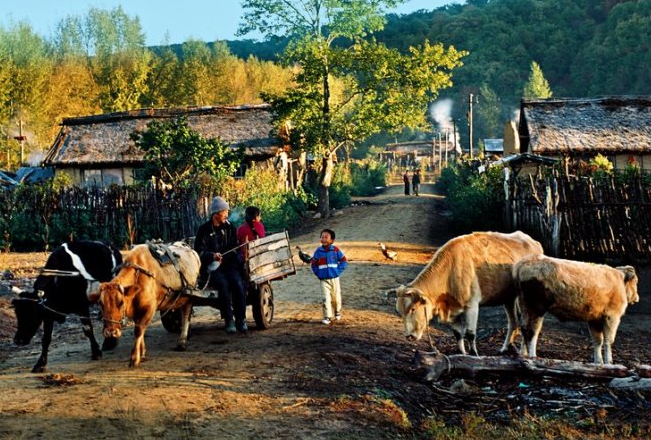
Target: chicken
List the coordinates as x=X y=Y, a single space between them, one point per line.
x=391 y=255
x=305 y=258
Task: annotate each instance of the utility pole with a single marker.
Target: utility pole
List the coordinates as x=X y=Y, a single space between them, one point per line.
x=20 y=138
x=454 y=133
x=470 y=124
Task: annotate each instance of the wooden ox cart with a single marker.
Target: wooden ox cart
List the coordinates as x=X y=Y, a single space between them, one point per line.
x=267 y=259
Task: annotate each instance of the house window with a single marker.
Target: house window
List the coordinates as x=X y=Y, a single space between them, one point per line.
x=92 y=177
x=103 y=177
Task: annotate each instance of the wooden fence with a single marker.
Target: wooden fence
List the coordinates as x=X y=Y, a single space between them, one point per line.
x=583 y=219
x=35 y=219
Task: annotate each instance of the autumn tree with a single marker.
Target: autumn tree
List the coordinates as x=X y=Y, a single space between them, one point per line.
x=25 y=68
x=537 y=86
x=382 y=88
x=113 y=45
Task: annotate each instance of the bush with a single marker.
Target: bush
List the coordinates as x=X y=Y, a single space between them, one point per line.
x=366 y=176
x=264 y=188
x=475 y=200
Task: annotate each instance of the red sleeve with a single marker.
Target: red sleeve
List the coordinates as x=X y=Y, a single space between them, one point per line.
x=260 y=228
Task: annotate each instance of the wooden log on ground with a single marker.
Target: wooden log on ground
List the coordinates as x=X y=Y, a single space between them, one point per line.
x=643 y=371
x=438 y=365
x=630 y=383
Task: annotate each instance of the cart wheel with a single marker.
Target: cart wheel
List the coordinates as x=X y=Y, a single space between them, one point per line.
x=171 y=321
x=263 y=306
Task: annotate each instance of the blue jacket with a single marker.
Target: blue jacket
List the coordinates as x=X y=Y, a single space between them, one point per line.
x=328 y=263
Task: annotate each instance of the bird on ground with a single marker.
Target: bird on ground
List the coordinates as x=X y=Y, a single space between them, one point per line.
x=305 y=258
x=391 y=255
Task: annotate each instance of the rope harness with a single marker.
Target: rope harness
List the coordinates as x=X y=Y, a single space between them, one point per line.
x=171 y=294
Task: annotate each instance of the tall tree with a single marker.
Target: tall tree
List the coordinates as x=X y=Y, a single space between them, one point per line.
x=381 y=88
x=113 y=45
x=25 y=56
x=488 y=113
x=537 y=86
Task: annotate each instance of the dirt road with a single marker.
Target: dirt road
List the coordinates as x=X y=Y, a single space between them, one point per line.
x=298 y=380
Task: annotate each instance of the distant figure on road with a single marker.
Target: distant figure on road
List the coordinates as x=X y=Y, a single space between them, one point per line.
x=415 y=182
x=405 y=178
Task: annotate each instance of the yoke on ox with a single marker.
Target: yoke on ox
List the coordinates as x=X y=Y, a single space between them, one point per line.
x=62 y=288
x=146 y=284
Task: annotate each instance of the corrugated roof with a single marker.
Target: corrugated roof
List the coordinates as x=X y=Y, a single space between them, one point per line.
x=105 y=139
x=598 y=125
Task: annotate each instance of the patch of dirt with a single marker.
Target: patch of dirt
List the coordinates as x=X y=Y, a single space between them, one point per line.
x=302 y=379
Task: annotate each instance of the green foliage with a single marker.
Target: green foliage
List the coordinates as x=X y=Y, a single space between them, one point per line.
x=537 y=86
x=179 y=156
x=366 y=176
x=475 y=200
x=263 y=188
x=341 y=189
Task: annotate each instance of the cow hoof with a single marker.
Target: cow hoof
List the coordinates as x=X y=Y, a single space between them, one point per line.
x=511 y=350
x=39 y=369
x=96 y=356
x=109 y=344
x=179 y=348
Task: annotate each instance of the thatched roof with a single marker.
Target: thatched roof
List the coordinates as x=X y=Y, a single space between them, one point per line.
x=105 y=139
x=607 y=125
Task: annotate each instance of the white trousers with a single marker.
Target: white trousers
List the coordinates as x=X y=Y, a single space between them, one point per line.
x=331 y=297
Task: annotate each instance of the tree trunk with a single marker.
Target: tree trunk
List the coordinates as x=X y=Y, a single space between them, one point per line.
x=327 y=170
x=439 y=365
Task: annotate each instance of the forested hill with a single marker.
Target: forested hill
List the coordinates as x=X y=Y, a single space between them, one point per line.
x=584 y=47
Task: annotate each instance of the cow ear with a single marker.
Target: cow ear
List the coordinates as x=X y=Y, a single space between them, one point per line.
x=628 y=271
x=391 y=294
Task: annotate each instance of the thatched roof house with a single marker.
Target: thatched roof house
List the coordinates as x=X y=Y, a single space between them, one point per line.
x=99 y=150
x=618 y=127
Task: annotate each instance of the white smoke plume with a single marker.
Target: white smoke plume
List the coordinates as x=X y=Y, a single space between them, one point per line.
x=441 y=112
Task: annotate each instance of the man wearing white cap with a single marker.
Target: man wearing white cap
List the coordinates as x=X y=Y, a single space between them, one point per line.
x=214 y=240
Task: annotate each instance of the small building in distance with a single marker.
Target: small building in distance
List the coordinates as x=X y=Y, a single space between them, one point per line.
x=617 y=127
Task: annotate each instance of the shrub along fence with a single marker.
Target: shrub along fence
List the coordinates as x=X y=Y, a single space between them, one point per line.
x=605 y=220
x=37 y=218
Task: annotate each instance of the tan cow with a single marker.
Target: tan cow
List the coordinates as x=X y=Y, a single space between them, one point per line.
x=574 y=291
x=465 y=273
x=143 y=286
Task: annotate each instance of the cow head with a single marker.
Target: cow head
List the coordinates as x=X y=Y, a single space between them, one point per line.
x=111 y=299
x=28 y=315
x=415 y=309
x=630 y=281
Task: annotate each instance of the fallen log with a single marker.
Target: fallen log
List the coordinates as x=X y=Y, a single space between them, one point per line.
x=438 y=365
x=630 y=383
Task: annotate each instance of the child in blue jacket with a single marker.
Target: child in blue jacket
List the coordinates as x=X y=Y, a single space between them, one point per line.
x=327 y=264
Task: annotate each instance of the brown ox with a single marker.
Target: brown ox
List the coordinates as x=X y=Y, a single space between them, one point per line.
x=143 y=286
x=465 y=273
x=574 y=291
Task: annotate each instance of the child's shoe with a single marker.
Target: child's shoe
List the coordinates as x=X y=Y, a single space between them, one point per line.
x=325 y=321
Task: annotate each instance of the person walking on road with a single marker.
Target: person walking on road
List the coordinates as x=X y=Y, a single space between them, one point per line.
x=415 y=182
x=405 y=178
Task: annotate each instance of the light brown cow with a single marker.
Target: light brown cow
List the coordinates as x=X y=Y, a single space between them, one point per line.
x=465 y=273
x=143 y=286
x=574 y=291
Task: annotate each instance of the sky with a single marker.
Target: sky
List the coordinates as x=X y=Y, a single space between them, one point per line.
x=206 y=20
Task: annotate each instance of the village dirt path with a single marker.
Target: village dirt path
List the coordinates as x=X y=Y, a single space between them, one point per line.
x=298 y=380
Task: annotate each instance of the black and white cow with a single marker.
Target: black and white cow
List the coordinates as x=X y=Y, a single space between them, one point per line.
x=57 y=295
